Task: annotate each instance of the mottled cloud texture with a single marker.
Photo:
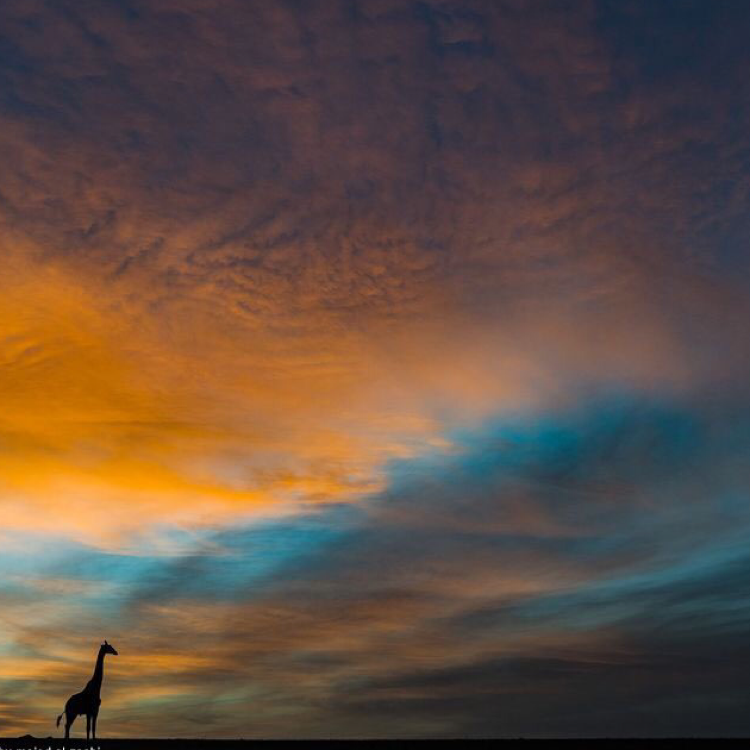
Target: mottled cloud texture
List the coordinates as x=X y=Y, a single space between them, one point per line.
x=376 y=368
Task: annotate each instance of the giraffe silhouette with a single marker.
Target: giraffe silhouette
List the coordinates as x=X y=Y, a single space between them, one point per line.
x=88 y=700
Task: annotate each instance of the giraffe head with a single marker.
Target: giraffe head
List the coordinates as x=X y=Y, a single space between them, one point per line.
x=108 y=648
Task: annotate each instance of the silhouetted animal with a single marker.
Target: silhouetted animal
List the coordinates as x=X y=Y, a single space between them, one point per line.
x=88 y=700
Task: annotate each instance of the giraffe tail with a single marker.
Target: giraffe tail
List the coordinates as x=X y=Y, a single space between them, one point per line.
x=58 y=720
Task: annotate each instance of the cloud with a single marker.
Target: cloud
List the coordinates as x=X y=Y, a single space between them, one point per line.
x=375 y=364
x=446 y=605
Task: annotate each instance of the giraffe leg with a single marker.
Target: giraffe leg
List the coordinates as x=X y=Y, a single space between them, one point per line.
x=93 y=726
x=88 y=725
x=68 y=721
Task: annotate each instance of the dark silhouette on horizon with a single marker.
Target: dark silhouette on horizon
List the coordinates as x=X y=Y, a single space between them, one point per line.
x=88 y=700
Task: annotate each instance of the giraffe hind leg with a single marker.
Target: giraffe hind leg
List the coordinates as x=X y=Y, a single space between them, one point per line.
x=71 y=714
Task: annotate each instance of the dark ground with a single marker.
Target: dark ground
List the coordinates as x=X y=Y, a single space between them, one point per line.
x=29 y=743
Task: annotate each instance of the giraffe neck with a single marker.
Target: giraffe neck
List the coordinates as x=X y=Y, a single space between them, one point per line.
x=96 y=680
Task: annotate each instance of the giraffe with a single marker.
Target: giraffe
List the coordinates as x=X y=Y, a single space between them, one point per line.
x=88 y=700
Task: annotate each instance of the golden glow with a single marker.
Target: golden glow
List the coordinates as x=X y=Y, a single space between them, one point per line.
x=111 y=425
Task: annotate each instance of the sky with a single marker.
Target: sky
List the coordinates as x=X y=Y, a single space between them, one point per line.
x=376 y=368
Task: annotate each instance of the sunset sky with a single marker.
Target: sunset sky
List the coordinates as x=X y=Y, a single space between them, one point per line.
x=376 y=367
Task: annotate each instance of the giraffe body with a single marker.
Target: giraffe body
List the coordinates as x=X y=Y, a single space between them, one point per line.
x=87 y=702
